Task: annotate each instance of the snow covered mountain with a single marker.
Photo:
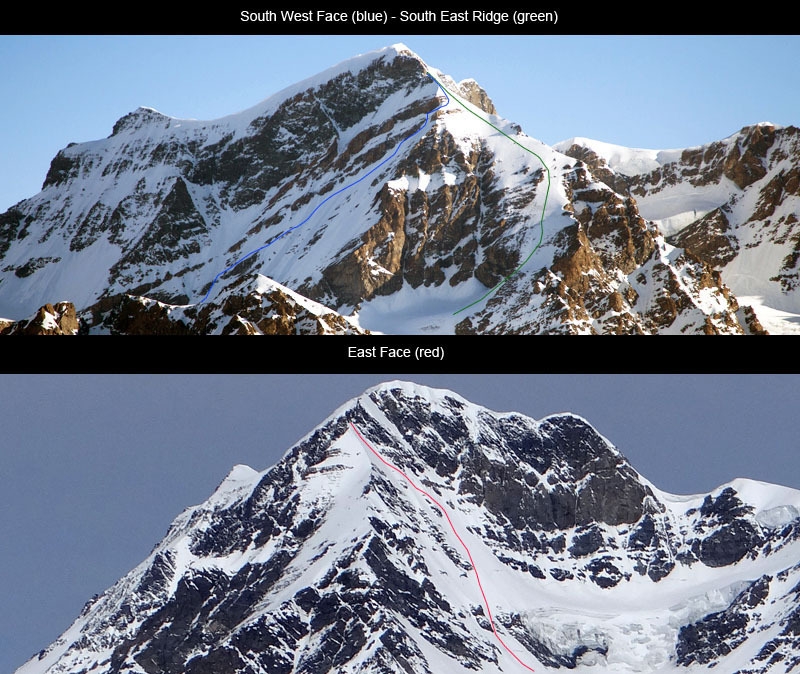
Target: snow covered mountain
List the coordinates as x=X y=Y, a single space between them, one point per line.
x=398 y=201
x=413 y=531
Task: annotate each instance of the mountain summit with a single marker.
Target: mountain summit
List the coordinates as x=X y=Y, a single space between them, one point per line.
x=413 y=531
x=399 y=200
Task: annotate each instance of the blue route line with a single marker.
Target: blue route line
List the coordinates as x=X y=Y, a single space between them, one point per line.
x=330 y=196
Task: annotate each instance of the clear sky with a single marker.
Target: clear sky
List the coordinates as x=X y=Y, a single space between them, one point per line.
x=639 y=91
x=94 y=468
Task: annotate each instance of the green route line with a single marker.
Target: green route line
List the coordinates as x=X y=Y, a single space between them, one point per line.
x=544 y=208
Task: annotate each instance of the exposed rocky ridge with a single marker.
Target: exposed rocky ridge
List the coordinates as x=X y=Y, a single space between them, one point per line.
x=741 y=158
x=329 y=562
x=250 y=305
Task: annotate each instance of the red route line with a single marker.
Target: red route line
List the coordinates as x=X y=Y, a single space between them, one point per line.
x=460 y=540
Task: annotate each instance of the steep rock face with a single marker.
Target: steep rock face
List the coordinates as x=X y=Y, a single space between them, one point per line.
x=177 y=231
x=433 y=236
x=331 y=561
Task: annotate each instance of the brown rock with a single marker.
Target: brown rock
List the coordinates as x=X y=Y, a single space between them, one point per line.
x=709 y=239
x=475 y=94
x=744 y=165
x=750 y=319
x=60 y=319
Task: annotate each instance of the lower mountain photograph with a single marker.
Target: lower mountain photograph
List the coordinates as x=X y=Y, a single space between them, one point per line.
x=415 y=532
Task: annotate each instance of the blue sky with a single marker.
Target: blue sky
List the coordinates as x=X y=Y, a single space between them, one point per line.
x=94 y=468
x=640 y=91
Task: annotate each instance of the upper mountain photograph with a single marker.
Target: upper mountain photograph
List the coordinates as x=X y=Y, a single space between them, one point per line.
x=385 y=195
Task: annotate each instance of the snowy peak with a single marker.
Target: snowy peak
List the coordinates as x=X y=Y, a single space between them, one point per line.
x=557 y=473
x=624 y=160
x=361 y=71
x=415 y=531
x=392 y=198
x=163 y=205
x=138 y=119
x=144 y=115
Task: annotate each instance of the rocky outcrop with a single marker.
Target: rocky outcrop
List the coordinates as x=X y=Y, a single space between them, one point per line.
x=749 y=319
x=746 y=160
x=709 y=239
x=12 y=226
x=717 y=634
x=58 y=319
x=131 y=315
x=598 y=167
x=475 y=94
